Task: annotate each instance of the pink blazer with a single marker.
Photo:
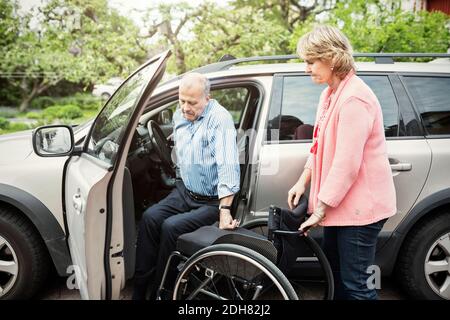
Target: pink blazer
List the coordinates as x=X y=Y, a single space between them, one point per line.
x=350 y=171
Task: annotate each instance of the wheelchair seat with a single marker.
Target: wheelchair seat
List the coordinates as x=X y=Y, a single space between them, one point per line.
x=190 y=243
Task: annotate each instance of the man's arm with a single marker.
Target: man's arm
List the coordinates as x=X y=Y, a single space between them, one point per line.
x=226 y=221
x=227 y=159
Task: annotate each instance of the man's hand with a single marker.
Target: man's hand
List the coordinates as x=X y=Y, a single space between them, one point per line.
x=226 y=220
x=294 y=195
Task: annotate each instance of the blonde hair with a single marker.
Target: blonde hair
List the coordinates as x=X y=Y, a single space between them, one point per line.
x=328 y=44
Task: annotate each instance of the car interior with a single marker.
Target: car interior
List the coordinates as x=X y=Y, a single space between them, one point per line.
x=149 y=174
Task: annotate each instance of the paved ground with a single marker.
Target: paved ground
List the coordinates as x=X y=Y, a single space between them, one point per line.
x=57 y=290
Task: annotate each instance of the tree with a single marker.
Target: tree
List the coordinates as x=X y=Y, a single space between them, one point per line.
x=382 y=26
x=241 y=32
x=168 y=21
x=288 y=13
x=77 y=40
x=201 y=35
x=9 y=24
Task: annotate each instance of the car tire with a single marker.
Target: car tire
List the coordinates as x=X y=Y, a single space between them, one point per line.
x=105 y=96
x=21 y=245
x=426 y=246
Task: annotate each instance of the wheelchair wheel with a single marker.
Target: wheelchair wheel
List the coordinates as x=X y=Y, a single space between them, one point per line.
x=313 y=277
x=258 y=225
x=231 y=272
x=322 y=285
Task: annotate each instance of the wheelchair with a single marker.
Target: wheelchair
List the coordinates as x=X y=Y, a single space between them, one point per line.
x=241 y=264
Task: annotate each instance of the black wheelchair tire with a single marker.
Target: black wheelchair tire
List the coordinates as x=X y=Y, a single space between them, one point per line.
x=315 y=248
x=261 y=262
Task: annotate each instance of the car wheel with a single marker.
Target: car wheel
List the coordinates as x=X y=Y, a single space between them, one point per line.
x=23 y=258
x=424 y=264
x=105 y=96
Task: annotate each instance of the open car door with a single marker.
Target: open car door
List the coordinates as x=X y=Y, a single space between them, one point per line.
x=94 y=182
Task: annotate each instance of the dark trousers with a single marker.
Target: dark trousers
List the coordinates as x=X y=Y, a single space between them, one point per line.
x=159 y=229
x=351 y=251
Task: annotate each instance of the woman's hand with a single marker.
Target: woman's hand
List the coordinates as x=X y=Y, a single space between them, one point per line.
x=317 y=217
x=294 y=194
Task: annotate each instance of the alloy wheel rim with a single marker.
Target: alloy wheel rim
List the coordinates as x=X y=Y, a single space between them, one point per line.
x=9 y=266
x=437 y=266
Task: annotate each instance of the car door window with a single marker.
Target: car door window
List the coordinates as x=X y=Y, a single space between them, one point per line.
x=108 y=130
x=430 y=95
x=299 y=101
x=382 y=88
x=298 y=108
x=232 y=99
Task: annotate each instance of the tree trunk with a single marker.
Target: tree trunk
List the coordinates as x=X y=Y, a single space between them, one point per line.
x=24 y=104
x=38 y=88
x=180 y=59
x=27 y=96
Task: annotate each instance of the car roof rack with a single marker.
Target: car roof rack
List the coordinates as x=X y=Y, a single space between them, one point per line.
x=227 y=61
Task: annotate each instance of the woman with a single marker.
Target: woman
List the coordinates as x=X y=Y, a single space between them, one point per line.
x=352 y=191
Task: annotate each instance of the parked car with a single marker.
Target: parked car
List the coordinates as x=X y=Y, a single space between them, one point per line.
x=107 y=89
x=74 y=202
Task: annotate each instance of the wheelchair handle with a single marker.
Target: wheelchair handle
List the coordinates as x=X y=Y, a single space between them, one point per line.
x=291 y=233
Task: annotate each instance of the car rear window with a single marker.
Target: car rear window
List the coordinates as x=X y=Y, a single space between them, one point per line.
x=431 y=96
x=299 y=99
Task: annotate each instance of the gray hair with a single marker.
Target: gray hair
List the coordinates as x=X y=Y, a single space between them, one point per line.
x=195 y=78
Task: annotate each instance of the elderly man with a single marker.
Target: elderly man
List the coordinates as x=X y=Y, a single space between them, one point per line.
x=208 y=164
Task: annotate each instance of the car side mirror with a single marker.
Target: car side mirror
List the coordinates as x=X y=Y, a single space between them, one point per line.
x=165 y=117
x=53 y=141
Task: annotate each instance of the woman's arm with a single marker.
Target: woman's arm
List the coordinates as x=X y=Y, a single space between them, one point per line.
x=299 y=188
x=353 y=130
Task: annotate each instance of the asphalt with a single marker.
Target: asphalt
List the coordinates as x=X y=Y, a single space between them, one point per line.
x=57 y=289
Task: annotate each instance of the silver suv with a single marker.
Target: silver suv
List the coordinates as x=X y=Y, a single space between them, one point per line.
x=74 y=201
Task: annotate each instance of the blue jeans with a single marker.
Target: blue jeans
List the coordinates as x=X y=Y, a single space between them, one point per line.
x=351 y=250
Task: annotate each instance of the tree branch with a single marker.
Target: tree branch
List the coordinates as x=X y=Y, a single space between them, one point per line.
x=182 y=23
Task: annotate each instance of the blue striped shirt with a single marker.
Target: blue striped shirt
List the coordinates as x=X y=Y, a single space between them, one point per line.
x=206 y=151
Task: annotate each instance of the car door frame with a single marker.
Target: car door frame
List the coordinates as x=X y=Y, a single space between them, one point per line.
x=115 y=183
x=166 y=96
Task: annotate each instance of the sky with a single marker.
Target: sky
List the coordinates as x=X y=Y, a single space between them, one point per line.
x=129 y=8
x=134 y=9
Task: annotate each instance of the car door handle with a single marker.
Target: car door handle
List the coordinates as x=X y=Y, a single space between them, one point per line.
x=401 y=167
x=77 y=203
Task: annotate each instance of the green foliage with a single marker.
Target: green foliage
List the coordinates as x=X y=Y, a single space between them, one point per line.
x=9 y=95
x=233 y=100
x=9 y=127
x=374 y=27
x=215 y=30
x=18 y=126
x=4 y=123
x=80 y=41
x=285 y=13
x=240 y=32
x=62 y=112
x=82 y=100
x=70 y=112
x=42 y=102
x=33 y=115
x=9 y=25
